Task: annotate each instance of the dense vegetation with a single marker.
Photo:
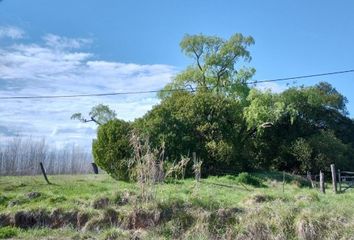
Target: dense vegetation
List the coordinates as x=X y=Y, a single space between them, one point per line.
x=210 y=109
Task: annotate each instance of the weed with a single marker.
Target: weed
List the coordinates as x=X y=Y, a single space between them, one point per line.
x=148 y=166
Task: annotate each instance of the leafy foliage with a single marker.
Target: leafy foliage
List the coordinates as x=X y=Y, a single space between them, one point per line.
x=112 y=150
x=249 y=179
x=214 y=67
x=310 y=129
x=100 y=114
x=204 y=122
x=231 y=126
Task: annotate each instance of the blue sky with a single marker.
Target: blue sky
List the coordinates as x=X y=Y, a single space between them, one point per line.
x=63 y=47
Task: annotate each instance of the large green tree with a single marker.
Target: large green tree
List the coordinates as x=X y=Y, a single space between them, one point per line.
x=214 y=66
x=304 y=119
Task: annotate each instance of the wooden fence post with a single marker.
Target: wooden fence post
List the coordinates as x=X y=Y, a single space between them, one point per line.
x=339 y=181
x=283 y=180
x=309 y=177
x=95 y=168
x=196 y=167
x=322 y=186
x=334 y=178
x=44 y=174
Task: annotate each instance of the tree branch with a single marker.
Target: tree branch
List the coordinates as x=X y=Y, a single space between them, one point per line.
x=95 y=121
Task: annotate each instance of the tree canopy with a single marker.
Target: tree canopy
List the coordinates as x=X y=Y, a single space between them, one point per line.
x=215 y=64
x=99 y=114
x=230 y=125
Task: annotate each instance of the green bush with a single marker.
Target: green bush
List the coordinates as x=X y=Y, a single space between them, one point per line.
x=112 y=149
x=3 y=200
x=248 y=179
x=8 y=232
x=203 y=122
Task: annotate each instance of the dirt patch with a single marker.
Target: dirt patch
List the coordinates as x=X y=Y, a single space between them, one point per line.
x=31 y=219
x=33 y=195
x=259 y=198
x=14 y=202
x=58 y=219
x=82 y=219
x=5 y=220
x=100 y=203
x=109 y=218
x=41 y=218
x=140 y=219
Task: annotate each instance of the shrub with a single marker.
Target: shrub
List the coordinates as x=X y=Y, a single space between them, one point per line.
x=111 y=149
x=248 y=179
x=3 y=200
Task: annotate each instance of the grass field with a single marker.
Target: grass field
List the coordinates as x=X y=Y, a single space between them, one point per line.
x=98 y=207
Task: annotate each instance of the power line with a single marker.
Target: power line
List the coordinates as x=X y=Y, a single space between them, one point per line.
x=171 y=90
x=303 y=76
x=90 y=94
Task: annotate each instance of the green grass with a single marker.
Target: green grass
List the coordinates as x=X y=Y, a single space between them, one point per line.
x=223 y=207
x=8 y=232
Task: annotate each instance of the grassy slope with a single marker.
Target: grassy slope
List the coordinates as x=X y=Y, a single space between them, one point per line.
x=262 y=213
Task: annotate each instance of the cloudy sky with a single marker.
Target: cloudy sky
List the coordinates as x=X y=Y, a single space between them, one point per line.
x=57 y=65
x=79 y=47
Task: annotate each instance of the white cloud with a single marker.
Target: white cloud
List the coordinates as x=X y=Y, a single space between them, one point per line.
x=54 y=68
x=11 y=32
x=56 y=41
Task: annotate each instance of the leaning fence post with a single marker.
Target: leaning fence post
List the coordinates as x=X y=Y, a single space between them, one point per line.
x=322 y=186
x=334 y=179
x=95 y=168
x=309 y=177
x=339 y=181
x=44 y=174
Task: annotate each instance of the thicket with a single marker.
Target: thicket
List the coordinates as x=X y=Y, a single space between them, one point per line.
x=231 y=125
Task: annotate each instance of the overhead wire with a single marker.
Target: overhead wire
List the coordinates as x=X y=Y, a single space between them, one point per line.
x=168 y=90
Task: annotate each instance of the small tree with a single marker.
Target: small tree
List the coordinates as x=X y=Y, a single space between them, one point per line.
x=112 y=149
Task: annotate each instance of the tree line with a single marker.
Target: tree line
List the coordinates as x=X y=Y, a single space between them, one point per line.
x=209 y=108
x=22 y=155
